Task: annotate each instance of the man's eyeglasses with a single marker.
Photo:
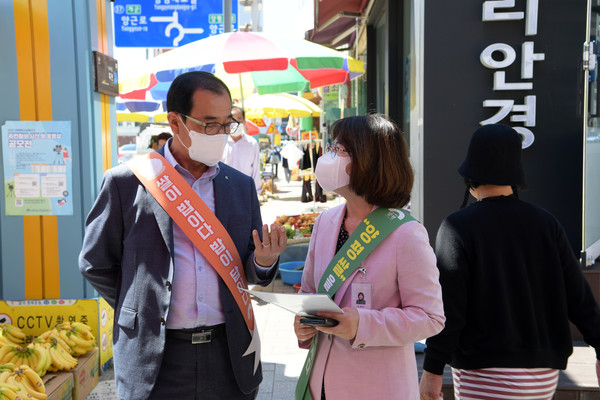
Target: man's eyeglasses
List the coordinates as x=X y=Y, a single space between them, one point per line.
x=335 y=149
x=213 y=128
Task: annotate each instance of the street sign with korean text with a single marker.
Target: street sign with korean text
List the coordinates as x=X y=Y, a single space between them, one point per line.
x=168 y=23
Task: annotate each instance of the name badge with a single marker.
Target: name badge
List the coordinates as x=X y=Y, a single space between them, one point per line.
x=361 y=295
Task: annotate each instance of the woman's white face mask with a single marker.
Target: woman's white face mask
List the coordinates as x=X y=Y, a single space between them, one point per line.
x=205 y=149
x=331 y=171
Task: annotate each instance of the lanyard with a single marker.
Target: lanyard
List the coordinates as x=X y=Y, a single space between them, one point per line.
x=371 y=231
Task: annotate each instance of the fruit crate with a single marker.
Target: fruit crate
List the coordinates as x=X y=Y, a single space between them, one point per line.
x=34 y=317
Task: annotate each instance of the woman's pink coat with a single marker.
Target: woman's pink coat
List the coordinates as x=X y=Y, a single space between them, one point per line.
x=406 y=307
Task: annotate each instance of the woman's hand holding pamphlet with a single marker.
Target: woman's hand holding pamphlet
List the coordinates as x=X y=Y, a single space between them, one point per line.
x=306 y=305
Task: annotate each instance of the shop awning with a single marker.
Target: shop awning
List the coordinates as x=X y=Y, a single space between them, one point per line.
x=335 y=21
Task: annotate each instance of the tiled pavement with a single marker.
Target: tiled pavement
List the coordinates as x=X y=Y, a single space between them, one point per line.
x=281 y=358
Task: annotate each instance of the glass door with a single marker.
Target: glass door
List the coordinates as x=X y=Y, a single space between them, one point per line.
x=591 y=145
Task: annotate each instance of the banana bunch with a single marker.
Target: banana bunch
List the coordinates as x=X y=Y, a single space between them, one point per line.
x=4 y=353
x=10 y=334
x=78 y=336
x=53 y=350
x=40 y=361
x=60 y=354
x=21 y=383
x=5 y=371
x=34 y=355
x=9 y=392
x=15 y=354
x=7 y=367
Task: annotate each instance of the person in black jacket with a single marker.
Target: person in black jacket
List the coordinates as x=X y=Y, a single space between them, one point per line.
x=511 y=283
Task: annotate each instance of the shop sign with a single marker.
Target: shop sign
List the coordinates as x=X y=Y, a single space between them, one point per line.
x=331 y=93
x=521 y=109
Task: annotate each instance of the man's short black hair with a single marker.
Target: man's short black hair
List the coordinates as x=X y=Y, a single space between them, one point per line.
x=181 y=92
x=164 y=136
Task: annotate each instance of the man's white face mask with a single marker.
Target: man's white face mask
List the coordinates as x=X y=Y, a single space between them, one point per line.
x=205 y=149
x=240 y=130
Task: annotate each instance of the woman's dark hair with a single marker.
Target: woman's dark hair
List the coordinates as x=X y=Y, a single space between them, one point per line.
x=181 y=92
x=380 y=170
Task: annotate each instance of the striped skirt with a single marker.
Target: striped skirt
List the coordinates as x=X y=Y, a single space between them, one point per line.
x=505 y=383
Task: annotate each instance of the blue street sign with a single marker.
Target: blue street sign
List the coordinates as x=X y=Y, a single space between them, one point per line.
x=168 y=23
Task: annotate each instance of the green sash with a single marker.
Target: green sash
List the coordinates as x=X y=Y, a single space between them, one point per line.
x=371 y=231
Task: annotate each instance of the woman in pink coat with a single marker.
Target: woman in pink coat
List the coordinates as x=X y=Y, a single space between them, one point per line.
x=394 y=298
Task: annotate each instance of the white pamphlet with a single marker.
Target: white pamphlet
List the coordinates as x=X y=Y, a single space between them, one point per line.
x=303 y=304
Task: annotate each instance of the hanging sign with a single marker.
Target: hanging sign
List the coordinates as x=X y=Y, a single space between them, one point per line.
x=310 y=135
x=105 y=74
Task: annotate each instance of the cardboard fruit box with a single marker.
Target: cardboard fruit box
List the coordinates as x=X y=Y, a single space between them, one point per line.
x=35 y=317
x=85 y=375
x=59 y=386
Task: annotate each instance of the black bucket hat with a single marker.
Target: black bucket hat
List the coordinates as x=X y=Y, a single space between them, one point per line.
x=494 y=157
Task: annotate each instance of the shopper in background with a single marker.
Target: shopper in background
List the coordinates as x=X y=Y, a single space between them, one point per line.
x=286 y=169
x=511 y=284
x=158 y=141
x=274 y=160
x=290 y=155
x=312 y=152
x=370 y=353
x=162 y=138
x=241 y=151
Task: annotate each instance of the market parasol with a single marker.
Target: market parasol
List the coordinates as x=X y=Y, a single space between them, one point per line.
x=140 y=111
x=251 y=128
x=280 y=105
x=247 y=62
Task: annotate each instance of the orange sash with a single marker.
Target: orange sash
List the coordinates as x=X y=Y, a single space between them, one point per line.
x=200 y=225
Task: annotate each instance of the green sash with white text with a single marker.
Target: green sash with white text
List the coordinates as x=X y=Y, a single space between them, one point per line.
x=371 y=231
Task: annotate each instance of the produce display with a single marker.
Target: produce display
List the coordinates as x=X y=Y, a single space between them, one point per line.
x=24 y=359
x=303 y=223
x=290 y=232
x=306 y=221
x=285 y=220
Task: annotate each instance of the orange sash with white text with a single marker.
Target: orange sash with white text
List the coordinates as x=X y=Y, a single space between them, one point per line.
x=201 y=226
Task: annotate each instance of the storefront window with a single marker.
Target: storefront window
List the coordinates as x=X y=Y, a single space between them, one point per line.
x=592 y=175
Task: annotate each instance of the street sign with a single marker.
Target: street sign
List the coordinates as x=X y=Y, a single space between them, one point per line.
x=272 y=129
x=259 y=122
x=168 y=23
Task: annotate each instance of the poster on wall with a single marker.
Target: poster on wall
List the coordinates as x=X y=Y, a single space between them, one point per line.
x=37 y=167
